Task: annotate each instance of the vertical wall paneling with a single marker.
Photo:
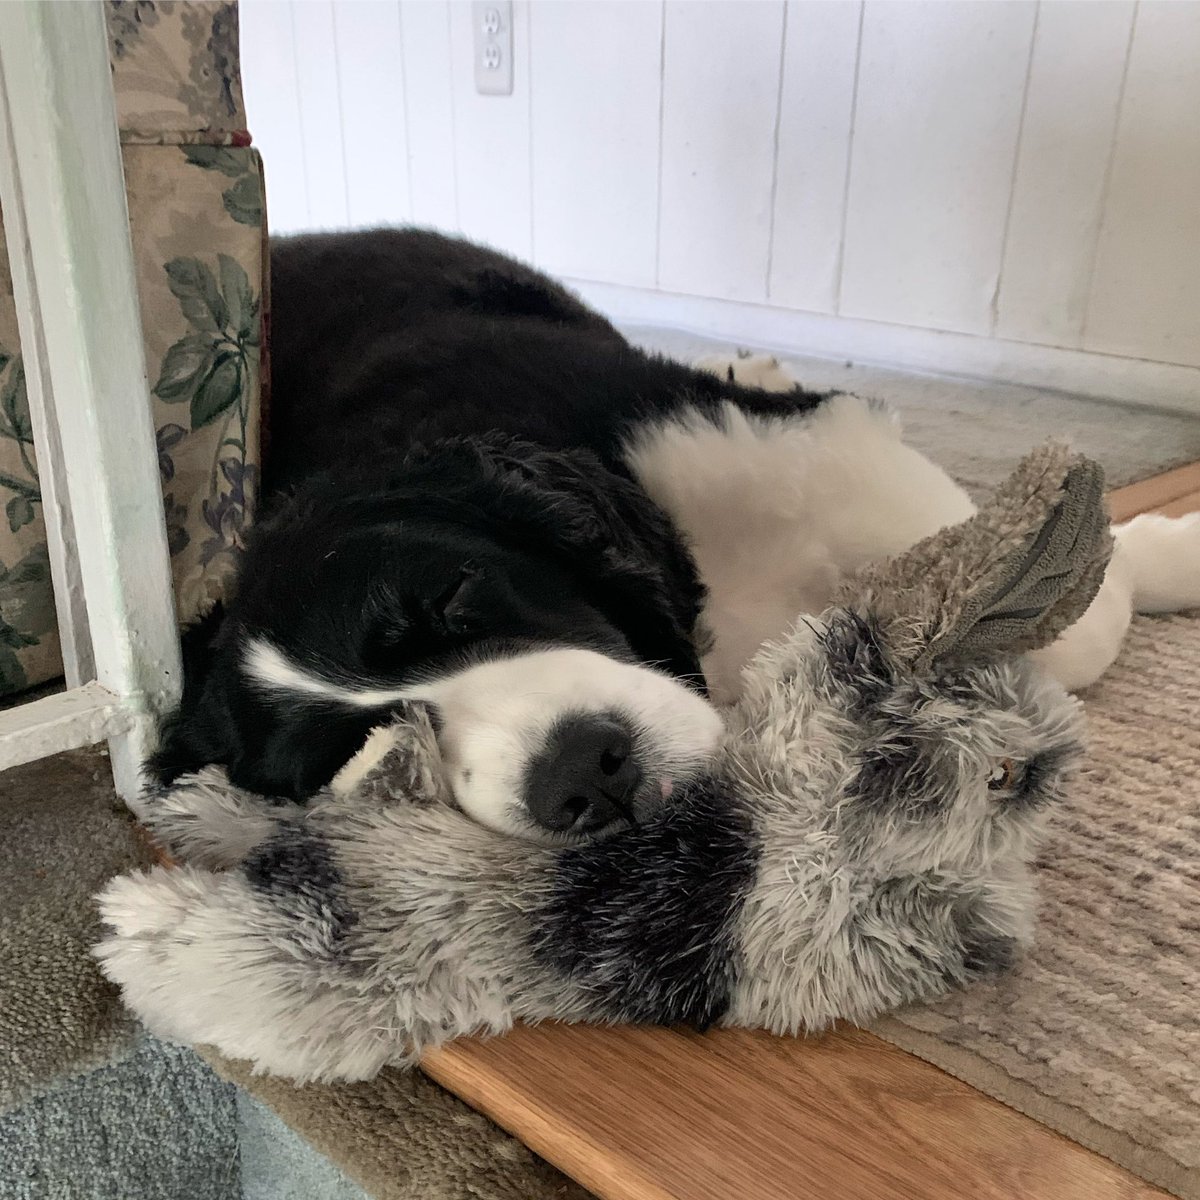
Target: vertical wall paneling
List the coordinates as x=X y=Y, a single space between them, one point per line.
x=720 y=102
x=321 y=113
x=491 y=140
x=816 y=110
x=429 y=112
x=272 y=91
x=373 y=117
x=1079 y=58
x=939 y=103
x=1146 y=285
x=1010 y=170
x=595 y=101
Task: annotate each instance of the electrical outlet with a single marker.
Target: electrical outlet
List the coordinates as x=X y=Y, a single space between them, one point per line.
x=491 y=23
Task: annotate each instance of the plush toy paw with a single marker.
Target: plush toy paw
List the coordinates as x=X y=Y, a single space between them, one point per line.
x=167 y=931
x=216 y=959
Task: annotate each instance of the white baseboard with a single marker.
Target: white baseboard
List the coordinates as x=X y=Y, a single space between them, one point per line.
x=931 y=352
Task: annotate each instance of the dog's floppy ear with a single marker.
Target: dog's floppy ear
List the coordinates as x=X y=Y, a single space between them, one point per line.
x=597 y=523
x=1008 y=580
x=273 y=750
x=618 y=539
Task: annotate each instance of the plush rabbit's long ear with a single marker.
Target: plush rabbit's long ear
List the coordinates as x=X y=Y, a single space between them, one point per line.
x=1010 y=579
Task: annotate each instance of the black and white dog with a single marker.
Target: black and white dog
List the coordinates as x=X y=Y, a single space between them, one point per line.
x=479 y=495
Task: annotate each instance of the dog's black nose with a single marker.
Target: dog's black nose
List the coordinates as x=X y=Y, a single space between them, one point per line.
x=585 y=778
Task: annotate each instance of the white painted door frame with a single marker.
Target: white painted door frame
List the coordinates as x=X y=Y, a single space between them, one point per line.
x=67 y=225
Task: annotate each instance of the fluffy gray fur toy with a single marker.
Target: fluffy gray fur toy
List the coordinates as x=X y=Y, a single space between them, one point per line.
x=863 y=842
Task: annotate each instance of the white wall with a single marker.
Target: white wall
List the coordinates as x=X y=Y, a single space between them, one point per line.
x=998 y=188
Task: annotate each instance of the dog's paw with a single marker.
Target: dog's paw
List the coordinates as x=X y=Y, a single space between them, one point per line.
x=750 y=370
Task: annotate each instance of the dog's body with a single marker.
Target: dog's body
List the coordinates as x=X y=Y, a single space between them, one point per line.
x=479 y=495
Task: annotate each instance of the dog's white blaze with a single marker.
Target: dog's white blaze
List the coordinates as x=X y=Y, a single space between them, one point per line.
x=273 y=670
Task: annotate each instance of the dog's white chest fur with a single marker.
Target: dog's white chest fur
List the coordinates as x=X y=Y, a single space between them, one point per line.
x=778 y=510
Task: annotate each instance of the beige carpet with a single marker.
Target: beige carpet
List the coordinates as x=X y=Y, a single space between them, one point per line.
x=1098 y=1033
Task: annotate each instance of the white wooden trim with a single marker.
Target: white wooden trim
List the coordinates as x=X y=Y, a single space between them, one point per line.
x=79 y=665
x=759 y=326
x=77 y=717
x=74 y=283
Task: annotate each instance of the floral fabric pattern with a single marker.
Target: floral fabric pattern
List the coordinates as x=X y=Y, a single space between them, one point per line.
x=196 y=214
x=175 y=69
x=29 y=648
x=199 y=260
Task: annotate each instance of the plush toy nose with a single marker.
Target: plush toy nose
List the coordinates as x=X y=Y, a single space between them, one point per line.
x=586 y=777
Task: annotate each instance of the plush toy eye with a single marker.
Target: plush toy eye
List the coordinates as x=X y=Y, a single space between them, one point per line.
x=1004 y=775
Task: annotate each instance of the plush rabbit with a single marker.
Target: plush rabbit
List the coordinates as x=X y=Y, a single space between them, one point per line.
x=863 y=842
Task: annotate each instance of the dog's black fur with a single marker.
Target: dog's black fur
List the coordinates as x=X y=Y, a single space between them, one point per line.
x=444 y=479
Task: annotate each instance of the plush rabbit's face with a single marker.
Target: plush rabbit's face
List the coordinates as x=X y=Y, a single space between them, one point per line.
x=939 y=740
x=941 y=767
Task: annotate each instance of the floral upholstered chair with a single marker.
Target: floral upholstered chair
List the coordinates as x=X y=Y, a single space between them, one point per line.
x=196 y=211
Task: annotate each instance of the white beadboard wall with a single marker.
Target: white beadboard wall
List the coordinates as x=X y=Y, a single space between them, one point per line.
x=998 y=188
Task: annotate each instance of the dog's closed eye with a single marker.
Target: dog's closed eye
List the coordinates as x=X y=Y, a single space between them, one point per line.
x=457 y=607
x=394 y=619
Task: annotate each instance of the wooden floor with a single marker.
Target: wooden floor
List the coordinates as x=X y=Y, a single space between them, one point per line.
x=656 y=1114
x=1174 y=494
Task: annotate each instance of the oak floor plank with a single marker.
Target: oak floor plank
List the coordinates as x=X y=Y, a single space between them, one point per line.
x=1153 y=493
x=656 y=1114
x=1181 y=507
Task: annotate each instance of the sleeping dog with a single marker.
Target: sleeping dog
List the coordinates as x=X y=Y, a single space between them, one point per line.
x=480 y=496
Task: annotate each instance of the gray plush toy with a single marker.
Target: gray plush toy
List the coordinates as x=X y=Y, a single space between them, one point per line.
x=863 y=842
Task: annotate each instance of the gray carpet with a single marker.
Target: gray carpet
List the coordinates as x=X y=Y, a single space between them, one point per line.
x=158 y=1125
x=278 y=1164
x=978 y=430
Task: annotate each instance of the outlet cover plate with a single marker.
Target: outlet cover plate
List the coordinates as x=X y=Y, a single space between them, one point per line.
x=492 y=37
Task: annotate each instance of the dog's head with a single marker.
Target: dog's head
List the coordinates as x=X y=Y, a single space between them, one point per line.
x=540 y=604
